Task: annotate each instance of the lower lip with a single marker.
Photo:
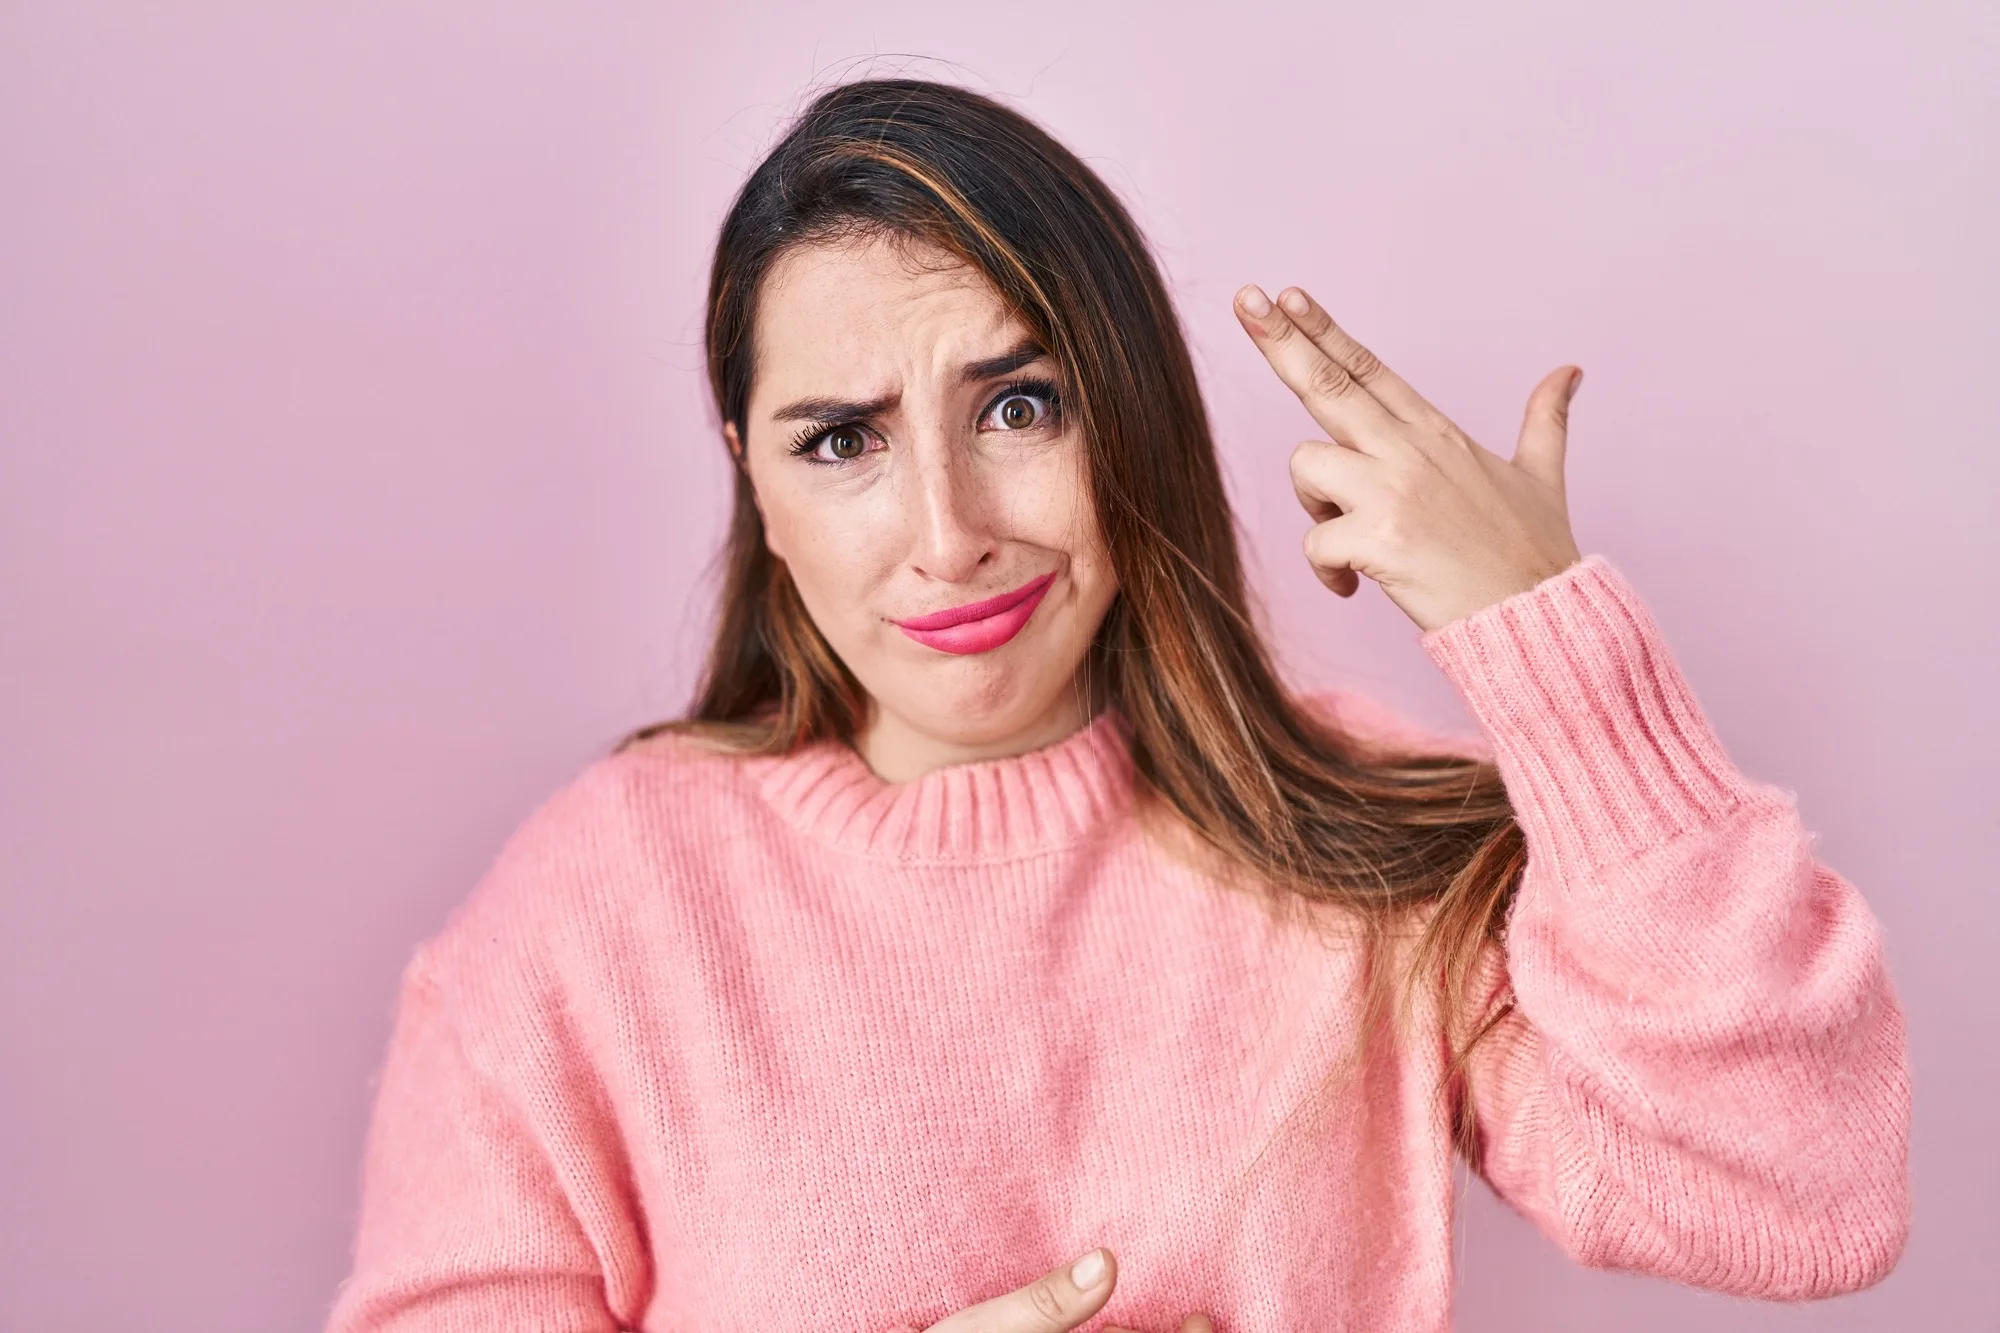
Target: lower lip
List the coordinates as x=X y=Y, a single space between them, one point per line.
x=981 y=636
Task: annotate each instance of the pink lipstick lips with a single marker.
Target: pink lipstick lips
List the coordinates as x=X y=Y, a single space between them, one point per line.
x=978 y=627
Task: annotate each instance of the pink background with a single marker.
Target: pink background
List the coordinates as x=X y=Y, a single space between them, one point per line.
x=356 y=482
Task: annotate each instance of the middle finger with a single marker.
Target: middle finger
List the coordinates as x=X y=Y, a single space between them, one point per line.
x=1341 y=404
x=1389 y=388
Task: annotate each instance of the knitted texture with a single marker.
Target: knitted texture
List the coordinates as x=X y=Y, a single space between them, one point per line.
x=770 y=1044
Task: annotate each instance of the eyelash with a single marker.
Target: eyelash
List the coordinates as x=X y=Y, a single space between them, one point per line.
x=807 y=441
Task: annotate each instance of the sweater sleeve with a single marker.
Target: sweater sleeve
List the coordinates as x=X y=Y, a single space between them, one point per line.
x=466 y=1226
x=1705 y=1075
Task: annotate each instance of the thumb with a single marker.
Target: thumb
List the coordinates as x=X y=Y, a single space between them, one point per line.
x=1545 y=432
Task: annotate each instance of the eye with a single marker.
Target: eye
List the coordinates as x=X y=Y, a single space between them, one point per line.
x=832 y=445
x=1022 y=407
x=845 y=442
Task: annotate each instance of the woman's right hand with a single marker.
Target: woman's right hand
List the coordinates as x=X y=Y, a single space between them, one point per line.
x=1053 y=1303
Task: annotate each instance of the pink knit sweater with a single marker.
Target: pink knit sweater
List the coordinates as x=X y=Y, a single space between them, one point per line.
x=773 y=1045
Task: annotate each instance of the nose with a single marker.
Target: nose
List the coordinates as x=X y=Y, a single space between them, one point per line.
x=953 y=538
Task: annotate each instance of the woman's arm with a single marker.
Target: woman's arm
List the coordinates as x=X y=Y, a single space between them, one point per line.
x=1705 y=1076
x=466 y=1222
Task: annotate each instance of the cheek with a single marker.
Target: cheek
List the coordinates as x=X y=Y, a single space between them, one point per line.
x=832 y=546
x=1048 y=503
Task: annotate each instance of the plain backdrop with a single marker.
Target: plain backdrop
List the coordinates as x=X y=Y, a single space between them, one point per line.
x=357 y=488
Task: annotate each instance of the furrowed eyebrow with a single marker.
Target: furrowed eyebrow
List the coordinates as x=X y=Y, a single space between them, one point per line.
x=1026 y=353
x=835 y=409
x=848 y=409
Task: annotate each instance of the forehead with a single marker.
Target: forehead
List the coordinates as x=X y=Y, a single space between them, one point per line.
x=866 y=314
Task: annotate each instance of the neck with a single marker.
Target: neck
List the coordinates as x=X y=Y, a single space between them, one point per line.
x=900 y=751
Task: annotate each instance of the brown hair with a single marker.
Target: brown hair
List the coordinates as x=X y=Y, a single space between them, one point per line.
x=1266 y=783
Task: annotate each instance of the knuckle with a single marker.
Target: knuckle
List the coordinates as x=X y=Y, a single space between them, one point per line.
x=1330 y=378
x=1042 y=1295
x=1399 y=488
x=1392 y=528
x=1364 y=365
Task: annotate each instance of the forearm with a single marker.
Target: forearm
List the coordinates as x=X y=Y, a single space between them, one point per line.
x=1706 y=1075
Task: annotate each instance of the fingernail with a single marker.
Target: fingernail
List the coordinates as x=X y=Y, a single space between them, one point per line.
x=1254 y=300
x=1576 y=382
x=1295 y=301
x=1088 y=1271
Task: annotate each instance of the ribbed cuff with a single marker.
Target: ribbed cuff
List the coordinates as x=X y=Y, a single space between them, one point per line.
x=1600 y=742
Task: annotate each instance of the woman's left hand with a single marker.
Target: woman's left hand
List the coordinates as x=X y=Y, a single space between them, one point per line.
x=1398 y=492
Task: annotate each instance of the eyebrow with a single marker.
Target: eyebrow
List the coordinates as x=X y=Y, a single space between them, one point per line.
x=1027 y=352
x=1024 y=353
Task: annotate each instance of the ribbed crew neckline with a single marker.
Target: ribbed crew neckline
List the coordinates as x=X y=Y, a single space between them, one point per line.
x=1062 y=794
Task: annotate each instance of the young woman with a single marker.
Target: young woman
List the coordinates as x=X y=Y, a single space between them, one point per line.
x=996 y=904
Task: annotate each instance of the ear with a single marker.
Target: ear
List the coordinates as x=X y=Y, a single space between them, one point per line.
x=735 y=441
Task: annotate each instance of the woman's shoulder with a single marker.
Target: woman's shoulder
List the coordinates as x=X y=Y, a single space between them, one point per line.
x=629 y=804
x=623 y=828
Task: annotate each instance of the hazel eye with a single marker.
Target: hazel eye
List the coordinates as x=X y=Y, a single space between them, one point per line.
x=1020 y=411
x=846 y=442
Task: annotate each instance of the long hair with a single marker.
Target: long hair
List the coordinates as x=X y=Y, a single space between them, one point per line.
x=1266 y=783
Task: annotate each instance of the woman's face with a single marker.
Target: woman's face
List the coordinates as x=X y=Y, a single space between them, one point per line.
x=917 y=472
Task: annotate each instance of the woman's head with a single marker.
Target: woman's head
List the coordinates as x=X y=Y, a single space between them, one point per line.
x=904 y=236
x=960 y=329
x=908 y=442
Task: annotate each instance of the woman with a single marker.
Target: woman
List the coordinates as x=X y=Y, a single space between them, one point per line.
x=996 y=904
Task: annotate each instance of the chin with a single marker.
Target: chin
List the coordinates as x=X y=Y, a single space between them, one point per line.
x=989 y=709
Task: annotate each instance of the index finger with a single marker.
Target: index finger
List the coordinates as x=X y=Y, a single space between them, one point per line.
x=1341 y=404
